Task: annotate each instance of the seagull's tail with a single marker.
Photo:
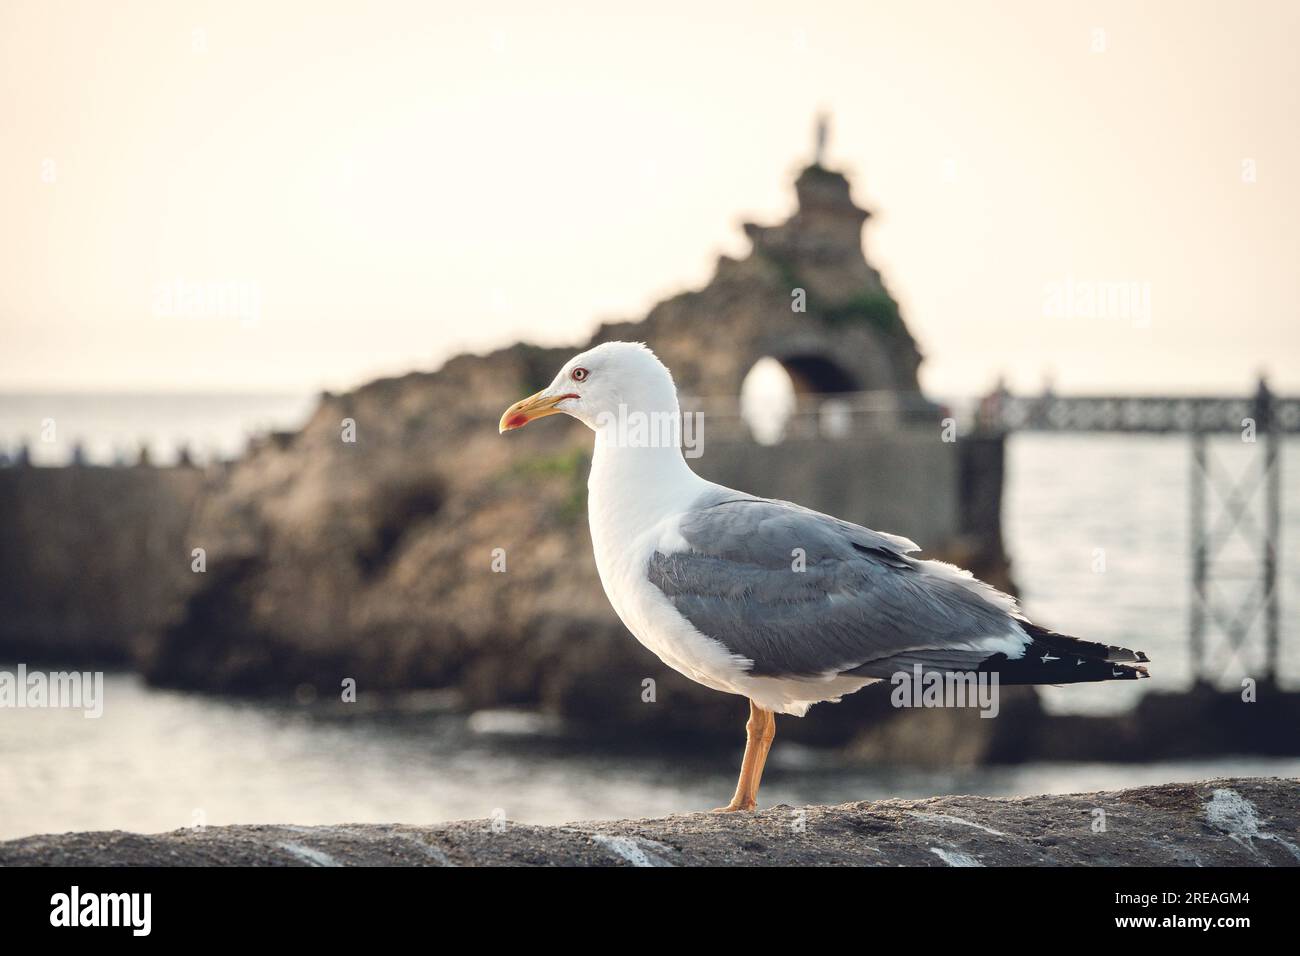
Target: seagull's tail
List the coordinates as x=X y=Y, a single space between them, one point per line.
x=1053 y=658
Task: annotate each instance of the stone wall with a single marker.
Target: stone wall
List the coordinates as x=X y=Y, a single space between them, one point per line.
x=85 y=555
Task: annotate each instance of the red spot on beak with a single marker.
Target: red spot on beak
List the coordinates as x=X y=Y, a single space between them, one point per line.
x=517 y=421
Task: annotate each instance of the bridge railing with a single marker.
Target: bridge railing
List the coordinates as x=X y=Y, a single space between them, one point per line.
x=1155 y=414
x=833 y=416
x=837 y=416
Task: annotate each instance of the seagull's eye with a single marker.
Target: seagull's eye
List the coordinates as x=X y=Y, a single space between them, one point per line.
x=579 y=374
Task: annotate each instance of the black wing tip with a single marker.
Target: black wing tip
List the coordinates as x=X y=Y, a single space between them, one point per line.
x=1128 y=672
x=1126 y=656
x=1064 y=643
x=1041 y=665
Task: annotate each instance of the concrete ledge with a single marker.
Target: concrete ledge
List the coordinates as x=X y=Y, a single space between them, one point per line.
x=1238 y=822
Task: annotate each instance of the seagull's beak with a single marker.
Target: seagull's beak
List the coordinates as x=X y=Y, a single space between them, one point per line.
x=534 y=406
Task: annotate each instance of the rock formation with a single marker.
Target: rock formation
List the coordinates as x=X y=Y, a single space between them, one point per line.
x=374 y=558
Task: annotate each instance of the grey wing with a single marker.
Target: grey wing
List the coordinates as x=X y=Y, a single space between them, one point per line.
x=804 y=594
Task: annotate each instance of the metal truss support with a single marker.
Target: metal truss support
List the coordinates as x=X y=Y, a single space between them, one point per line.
x=1207 y=604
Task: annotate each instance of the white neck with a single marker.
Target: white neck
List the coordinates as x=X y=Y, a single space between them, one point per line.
x=632 y=487
x=647 y=469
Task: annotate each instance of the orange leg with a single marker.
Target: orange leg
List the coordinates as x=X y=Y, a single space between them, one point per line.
x=759 y=731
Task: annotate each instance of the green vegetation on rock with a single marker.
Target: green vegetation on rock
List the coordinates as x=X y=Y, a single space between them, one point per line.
x=570 y=466
x=876 y=309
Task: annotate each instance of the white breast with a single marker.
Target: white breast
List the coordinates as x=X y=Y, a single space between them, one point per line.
x=653 y=620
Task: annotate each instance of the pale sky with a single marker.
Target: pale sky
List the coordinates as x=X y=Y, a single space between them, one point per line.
x=379 y=185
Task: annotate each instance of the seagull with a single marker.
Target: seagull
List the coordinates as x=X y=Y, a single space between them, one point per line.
x=766 y=599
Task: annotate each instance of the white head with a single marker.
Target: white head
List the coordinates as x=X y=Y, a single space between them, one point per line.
x=592 y=386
